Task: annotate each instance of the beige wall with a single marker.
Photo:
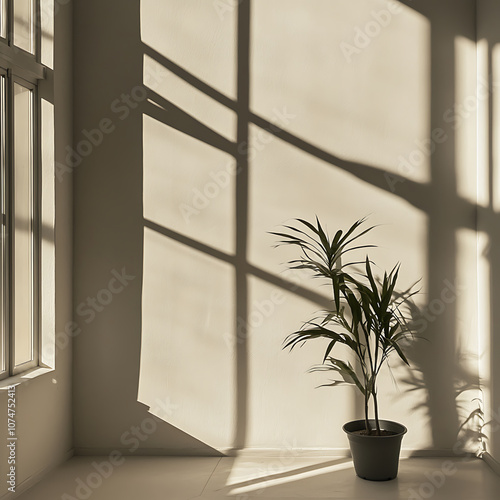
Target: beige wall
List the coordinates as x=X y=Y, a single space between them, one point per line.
x=193 y=335
x=43 y=404
x=488 y=232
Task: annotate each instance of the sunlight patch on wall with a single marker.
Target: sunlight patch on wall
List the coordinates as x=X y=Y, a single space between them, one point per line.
x=187 y=305
x=495 y=75
x=188 y=186
x=484 y=321
x=356 y=75
x=469 y=95
x=467 y=341
x=281 y=392
x=192 y=34
x=464 y=294
x=483 y=128
x=47 y=258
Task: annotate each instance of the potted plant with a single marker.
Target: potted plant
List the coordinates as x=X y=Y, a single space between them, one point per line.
x=369 y=317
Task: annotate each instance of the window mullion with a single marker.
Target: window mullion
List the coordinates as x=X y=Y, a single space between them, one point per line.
x=4 y=236
x=10 y=22
x=9 y=139
x=38 y=31
x=37 y=229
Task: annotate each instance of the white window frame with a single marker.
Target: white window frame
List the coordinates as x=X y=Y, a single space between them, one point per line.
x=21 y=67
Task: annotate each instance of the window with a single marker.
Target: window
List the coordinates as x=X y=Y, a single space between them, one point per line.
x=20 y=72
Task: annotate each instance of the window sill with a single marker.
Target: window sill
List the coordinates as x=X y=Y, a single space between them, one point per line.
x=24 y=377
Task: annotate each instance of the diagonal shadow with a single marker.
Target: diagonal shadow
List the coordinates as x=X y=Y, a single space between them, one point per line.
x=250 y=269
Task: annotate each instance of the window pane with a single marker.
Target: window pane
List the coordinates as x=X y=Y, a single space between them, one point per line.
x=3 y=18
x=3 y=228
x=24 y=24
x=23 y=225
x=46 y=27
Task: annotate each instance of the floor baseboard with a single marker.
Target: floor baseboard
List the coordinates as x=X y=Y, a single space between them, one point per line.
x=256 y=452
x=149 y=452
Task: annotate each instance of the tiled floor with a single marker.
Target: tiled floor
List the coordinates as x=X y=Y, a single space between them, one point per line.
x=164 y=478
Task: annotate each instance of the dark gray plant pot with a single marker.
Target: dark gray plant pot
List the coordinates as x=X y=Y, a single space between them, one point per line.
x=375 y=458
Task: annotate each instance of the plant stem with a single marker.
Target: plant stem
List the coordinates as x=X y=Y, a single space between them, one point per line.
x=374 y=388
x=367 y=423
x=368 y=348
x=375 y=406
x=372 y=380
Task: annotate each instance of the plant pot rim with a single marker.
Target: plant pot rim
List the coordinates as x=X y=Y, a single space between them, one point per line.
x=391 y=423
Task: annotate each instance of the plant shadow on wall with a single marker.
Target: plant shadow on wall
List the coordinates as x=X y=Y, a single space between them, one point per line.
x=470 y=438
x=438 y=362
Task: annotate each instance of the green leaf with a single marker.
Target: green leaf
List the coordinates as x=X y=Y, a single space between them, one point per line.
x=335 y=383
x=351 y=230
x=329 y=349
x=359 y=235
x=323 y=237
x=336 y=239
x=346 y=371
x=397 y=348
x=371 y=279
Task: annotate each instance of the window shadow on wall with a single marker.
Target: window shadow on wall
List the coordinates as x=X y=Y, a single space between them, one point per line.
x=438 y=363
x=121 y=227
